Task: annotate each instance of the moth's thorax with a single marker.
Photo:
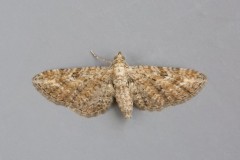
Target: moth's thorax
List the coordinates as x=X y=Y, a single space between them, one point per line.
x=119 y=66
x=119 y=71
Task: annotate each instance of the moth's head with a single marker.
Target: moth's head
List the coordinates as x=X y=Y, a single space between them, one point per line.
x=119 y=57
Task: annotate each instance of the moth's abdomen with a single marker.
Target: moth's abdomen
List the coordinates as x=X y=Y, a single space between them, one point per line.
x=124 y=100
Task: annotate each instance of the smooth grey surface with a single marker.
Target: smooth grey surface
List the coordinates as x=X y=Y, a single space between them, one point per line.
x=39 y=35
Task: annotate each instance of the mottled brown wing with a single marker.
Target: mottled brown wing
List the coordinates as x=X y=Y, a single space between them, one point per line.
x=154 y=88
x=87 y=91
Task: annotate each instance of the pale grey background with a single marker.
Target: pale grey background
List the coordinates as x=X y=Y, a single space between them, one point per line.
x=46 y=34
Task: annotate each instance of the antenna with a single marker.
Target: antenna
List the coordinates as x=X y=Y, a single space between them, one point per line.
x=100 y=58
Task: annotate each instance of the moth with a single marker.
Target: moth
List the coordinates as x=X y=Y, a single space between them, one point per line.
x=90 y=91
